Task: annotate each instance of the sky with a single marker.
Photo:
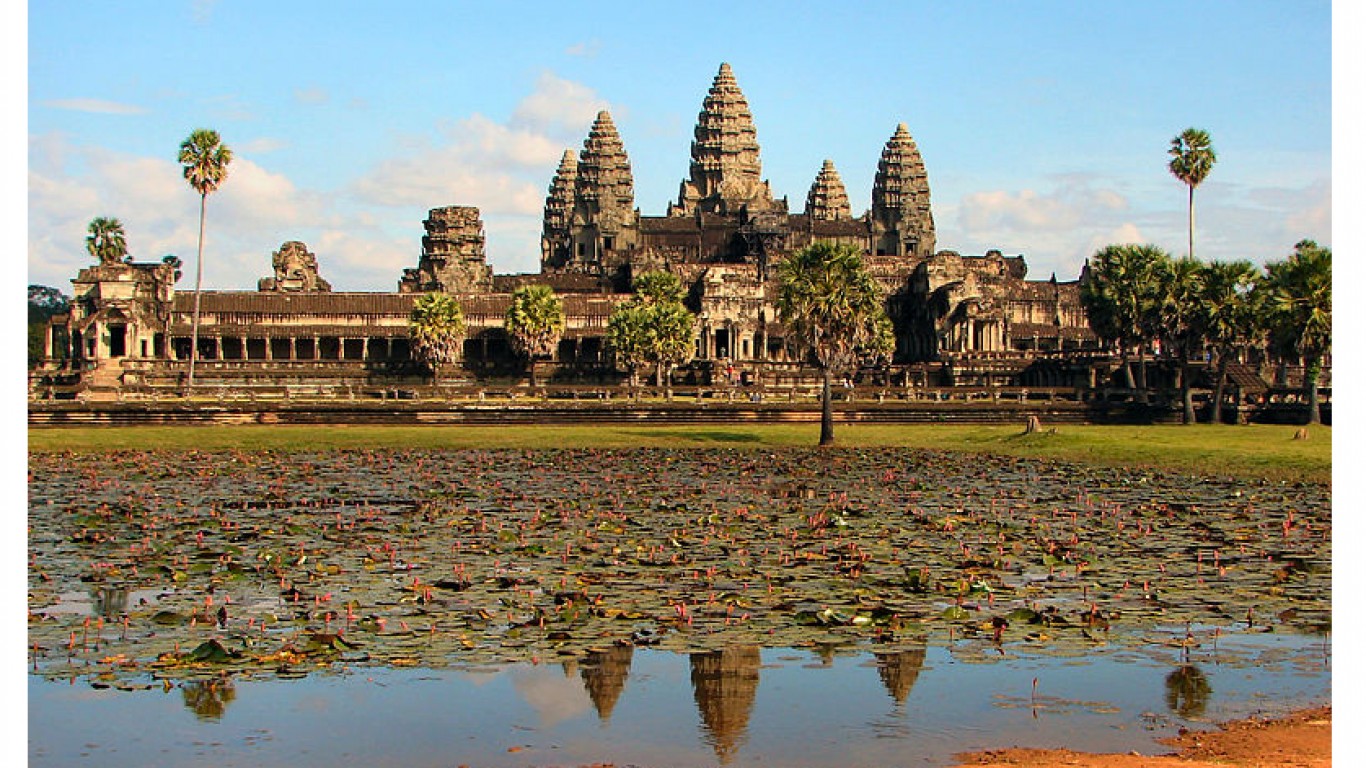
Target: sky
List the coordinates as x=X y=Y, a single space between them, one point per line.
x=1044 y=126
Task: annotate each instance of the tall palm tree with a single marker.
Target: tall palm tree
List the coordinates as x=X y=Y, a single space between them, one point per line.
x=1227 y=317
x=1192 y=159
x=1121 y=298
x=107 y=241
x=437 y=329
x=205 y=159
x=1299 y=304
x=1182 y=286
x=834 y=311
x=535 y=321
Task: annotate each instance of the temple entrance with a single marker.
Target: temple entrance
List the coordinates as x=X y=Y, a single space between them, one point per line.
x=118 y=340
x=722 y=343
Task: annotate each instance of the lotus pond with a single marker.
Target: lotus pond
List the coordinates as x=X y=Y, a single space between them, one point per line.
x=441 y=603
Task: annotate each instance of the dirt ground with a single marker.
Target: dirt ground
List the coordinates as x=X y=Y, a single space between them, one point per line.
x=1301 y=740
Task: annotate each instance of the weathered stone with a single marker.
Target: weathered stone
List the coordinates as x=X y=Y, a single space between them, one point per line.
x=453 y=258
x=827 y=200
x=901 y=199
x=296 y=270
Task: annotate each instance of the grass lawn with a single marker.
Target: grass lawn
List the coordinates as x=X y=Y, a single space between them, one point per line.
x=1258 y=451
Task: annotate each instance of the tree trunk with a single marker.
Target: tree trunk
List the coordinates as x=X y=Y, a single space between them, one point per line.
x=1142 y=375
x=198 y=280
x=1311 y=385
x=659 y=375
x=1187 y=405
x=531 y=367
x=1128 y=369
x=1190 y=206
x=1217 y=412
x=827 y=411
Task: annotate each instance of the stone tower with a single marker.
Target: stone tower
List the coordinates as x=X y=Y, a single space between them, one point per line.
x=559 y=214
x=827 y=200
x=452 y=254
x=901 y=219
x=604 y=221
x=725 y=173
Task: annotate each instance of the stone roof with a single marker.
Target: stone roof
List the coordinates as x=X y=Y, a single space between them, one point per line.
x=827 y=200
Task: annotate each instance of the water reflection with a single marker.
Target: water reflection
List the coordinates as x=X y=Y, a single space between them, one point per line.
x=1188 y=691
x=899 y=671
x=724 y=684
x=208 y=699
x=110 y=602
x=604 y=676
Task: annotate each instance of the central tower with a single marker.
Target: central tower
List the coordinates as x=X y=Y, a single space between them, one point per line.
x=725 y=173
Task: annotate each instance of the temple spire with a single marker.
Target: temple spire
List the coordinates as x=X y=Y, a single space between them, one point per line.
x=827 y=200
x=901 y=199
x=725 y=172
x=604 y=190
x=559 y=212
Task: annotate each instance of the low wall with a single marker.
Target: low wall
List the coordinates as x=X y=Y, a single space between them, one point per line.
x=59 y=414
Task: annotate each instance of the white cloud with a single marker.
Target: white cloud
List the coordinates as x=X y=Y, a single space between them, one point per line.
x=311 y=96
x=559 y=105
x=588 y=49
x=97 y=106
x=260 y=146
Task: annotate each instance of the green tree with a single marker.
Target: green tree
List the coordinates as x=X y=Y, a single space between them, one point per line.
x=535 y=322
x=628 y=332
x=653 y=327
x=205 y=160
x=1228 y=318
x=107 y=241
x=1299 y=311
x=1192 y=158
x=436 y=327
x=44 y=303
x=1121 y=296
x=1182 y=287
x=834 y=312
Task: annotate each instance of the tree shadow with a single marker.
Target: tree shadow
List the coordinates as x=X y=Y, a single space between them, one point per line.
x=698 y=435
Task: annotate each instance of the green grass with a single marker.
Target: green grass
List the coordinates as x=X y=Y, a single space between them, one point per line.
x=1256 y=451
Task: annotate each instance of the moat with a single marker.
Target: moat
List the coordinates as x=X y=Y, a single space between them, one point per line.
x=657 y=606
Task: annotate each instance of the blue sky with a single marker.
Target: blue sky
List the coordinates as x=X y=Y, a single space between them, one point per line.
x=1044 y=125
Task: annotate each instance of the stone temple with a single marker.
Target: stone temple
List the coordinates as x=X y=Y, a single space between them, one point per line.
x=958 y=319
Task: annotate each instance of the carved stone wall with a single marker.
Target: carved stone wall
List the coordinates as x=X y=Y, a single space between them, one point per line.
x=296 y=271
x=453 y=257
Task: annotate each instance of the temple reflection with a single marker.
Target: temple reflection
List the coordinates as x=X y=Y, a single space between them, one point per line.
x=724 y=684
x=899 y=671
x=208 y=699
x=604 y=676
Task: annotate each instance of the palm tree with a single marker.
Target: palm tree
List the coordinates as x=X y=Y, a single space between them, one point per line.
x=1121 y=297
x=1227 y=317
x=834 y=311
x=107 y=242
x=437 y=329
x=205 y=159
x=535 y=321
x=1182 y=288
x=1299 y=305
x=1192 y=159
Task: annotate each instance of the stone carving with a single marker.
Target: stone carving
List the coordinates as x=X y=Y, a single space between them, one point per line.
x=296 y=271
x=604 y=191
x=725 y=173
x=901 y=199
x=559 y=213
x=827 y=199
x=453 y=257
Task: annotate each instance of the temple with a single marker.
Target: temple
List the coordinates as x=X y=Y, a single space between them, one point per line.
x=957 y=318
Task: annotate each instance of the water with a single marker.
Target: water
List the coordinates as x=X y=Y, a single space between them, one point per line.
x=636 y=706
